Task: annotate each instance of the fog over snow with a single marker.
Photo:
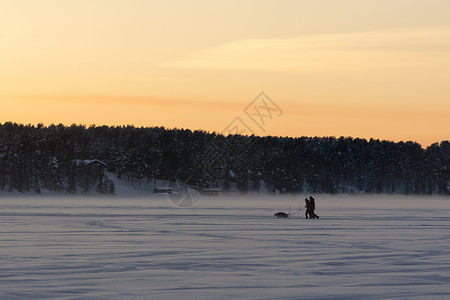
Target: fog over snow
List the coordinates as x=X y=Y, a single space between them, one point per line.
x=230 y=247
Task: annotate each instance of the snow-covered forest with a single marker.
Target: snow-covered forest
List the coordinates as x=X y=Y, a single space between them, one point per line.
x=57 y=158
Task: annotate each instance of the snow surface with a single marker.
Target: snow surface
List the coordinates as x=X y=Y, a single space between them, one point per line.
x=362 y=247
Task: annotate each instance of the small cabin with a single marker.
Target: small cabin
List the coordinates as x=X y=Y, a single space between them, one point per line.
x=159 y=190
x=95 y=163
x=92 y=164
x=211 y=192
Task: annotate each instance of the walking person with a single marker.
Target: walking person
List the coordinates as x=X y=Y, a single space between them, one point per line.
x=312 y=207
x=308 y=207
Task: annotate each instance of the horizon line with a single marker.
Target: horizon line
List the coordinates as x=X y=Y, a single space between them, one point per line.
x=220 y=133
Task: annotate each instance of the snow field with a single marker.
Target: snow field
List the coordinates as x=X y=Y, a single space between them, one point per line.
x=362 y=247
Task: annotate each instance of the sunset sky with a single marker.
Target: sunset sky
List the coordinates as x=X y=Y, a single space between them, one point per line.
x=369 y=69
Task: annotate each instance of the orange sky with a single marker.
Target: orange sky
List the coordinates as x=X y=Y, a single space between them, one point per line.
x=335 y=68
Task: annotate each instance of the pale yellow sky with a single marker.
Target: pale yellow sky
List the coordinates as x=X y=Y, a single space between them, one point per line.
x=354 y=68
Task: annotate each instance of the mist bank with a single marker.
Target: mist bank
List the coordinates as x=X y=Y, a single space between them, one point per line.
x=78 y=159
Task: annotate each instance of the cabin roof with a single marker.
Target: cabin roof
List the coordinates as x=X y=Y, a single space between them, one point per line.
x=90 y=161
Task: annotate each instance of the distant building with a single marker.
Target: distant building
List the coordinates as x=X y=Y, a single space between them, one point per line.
x=211 y=192
x=93 y=164
x=162 y=190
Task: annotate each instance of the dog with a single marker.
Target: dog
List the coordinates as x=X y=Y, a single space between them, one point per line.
x=281 y=215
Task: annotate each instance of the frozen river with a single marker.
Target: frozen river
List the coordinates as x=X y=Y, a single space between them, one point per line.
x=370 y=247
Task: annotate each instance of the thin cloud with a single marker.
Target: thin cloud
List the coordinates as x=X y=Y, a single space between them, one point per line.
x=130 y=101
x=365 y=112
x=387 y=49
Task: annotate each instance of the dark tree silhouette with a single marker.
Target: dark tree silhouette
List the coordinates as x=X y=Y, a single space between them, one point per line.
x=36 y=158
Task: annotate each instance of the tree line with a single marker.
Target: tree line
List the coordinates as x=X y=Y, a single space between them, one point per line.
x=36 y=158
